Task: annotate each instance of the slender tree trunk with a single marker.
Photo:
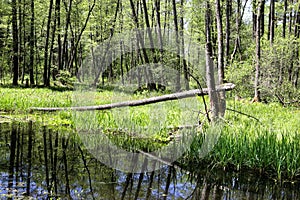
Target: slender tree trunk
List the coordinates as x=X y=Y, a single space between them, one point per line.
x=297 y=23
x=141 y=42
x=262 y=17
x=257 y=55
x=222 y=102
x=78 y=38
x=254 y=17
x=59 y=45
x=284 y=19
x=46 y=56
x=160 y=40
x=15 y=43
x=152 y=85
x=65 y=40
x=183 y=61
x=178 y=84
x=228 y=16
x=290 y=18
x=238 y=20
x=297 y=36
x=271 y=21
x=54 y=27
x=220 y=42
x=32 y=44
x=21 y=40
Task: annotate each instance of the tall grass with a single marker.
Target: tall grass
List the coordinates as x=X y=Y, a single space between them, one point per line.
x=270 y=146
x=16 y=100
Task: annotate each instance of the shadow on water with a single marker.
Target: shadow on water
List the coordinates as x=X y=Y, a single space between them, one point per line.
x=41 y=163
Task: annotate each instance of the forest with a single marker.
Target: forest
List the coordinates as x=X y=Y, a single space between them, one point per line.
x=120 y=82
x=250 y=42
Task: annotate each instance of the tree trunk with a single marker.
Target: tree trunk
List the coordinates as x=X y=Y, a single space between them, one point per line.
x=178 y=84
x=262 y=17
x=254 y=18
x=65 y=40
x=78 y=38
x=222 y=101
x=59 y=47
x=183 y=61
x=151 y=100
x=31 y=44
x=257 y=55
x=228 y=16
x=213 y=97
x=21 y=39
x=284 y=19
x=46 y=56
x=271 y=21
x=160 y=40
x=15 y=43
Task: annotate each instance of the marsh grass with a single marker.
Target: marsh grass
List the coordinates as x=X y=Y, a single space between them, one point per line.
x=19 y=100
x=270 y=146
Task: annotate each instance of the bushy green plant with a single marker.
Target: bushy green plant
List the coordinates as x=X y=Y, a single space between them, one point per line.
x=241 y=74
x=64 y=78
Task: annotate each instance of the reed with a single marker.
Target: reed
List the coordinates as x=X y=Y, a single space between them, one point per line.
x=270 y=146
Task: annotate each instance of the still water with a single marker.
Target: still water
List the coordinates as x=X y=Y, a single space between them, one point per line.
x=37 y=162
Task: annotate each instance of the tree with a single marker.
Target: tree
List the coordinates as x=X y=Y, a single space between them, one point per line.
x=257 y=52
x=271 y=21
x=210 y=80
x=46 y=56
x=228 y=16
x=15 y=43
x=222 y=101
x=32 y=43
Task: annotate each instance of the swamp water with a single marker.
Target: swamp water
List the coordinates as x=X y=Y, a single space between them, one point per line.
x=40 y=163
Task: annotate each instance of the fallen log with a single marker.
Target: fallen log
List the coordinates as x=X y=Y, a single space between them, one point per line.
x=167 y=97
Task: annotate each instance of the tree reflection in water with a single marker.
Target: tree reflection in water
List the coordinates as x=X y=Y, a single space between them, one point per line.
x=44 y=163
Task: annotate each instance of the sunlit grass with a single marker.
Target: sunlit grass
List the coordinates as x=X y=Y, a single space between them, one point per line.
x=270 y=145
x=268 y=142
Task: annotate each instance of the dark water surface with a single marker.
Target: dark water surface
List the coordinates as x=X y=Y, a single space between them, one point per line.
x=40 y=163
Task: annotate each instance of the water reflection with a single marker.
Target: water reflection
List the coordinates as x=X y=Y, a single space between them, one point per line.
x=43 y=163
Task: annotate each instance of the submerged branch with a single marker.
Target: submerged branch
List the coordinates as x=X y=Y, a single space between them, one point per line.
x=168 y=97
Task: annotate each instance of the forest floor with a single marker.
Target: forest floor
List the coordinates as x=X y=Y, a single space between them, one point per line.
x=258 y=136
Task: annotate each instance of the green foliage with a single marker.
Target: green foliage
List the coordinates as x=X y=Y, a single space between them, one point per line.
x=278 y=69
x=18 y=100
x=64 y=79
x=269 y=146
x=241 y=74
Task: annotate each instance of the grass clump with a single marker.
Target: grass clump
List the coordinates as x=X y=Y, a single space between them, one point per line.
x=19 y=100
x=270 y=146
